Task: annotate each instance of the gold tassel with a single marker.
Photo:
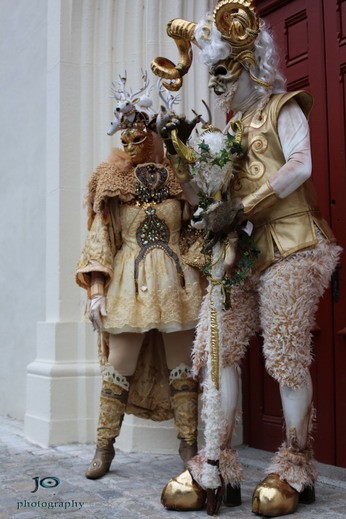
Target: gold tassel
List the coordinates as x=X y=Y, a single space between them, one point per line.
x=214 y=347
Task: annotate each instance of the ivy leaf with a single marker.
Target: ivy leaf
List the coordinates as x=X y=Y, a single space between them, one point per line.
x=204 y=147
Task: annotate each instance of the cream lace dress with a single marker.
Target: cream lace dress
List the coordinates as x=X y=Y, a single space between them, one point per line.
x=149 y=286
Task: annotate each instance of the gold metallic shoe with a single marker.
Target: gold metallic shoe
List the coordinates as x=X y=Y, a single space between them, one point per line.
x=274 y=497
x=101 y=463
x=183 y=493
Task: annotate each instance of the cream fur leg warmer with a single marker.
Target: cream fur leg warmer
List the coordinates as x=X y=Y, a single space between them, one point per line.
x=229 y=465
x=294 y=465
x=289 y=294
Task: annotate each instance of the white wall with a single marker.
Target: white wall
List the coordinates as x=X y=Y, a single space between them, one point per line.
x=58 y=60
x=22 y=192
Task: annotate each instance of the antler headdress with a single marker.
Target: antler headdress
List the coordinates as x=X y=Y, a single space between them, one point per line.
x=238 y=23
x=132 y=109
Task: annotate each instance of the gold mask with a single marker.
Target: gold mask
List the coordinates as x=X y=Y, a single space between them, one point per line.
x=138 y=144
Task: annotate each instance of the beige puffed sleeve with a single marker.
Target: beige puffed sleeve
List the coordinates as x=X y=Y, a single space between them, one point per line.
x=98 y=253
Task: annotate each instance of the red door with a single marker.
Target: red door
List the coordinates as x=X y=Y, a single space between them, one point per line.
x=335 y=48
x=312 y=43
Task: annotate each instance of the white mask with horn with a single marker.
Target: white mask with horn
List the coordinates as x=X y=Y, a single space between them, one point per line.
x=227 y=41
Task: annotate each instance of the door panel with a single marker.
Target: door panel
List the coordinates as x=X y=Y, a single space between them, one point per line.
x=335 y=45
x=299 y=27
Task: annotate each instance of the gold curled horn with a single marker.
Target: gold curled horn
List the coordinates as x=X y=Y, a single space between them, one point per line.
x=183 y=33
x=238 y=23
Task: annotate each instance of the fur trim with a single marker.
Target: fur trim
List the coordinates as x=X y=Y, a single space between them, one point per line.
x=290 y=291
x=288 y=304
x=240 y=323
x=229 y=468
x=195 y=466
x=113 y=178
x=199 y=353
x=296 y=467
x=210 y=477
x=212 y=413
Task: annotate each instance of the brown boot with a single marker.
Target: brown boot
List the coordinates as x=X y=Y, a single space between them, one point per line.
x=101 y=462
x=112 y=409
x=187 y=451
x=184 y=401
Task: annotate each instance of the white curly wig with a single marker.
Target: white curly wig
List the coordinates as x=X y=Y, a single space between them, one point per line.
x=213 y=49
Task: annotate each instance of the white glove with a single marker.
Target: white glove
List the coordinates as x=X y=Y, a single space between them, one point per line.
x=97 y=311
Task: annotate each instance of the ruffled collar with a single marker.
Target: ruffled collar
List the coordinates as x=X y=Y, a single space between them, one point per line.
x=116 y=178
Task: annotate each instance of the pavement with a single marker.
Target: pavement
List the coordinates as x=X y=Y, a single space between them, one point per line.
x=41 y=482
